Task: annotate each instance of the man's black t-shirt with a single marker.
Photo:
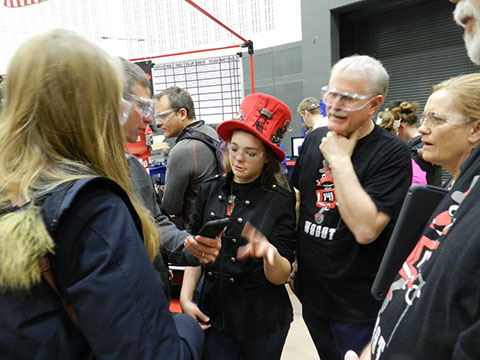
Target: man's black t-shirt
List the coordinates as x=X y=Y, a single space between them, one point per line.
x=335 y=273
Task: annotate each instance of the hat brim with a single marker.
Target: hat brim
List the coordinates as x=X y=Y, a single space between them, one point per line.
x=226 y=128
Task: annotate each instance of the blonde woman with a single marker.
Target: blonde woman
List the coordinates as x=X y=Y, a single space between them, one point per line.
x=437 y=287
x=62 y=122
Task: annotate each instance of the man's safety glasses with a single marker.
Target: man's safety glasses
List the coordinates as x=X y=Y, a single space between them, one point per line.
x=348 y=101
x=145 y=107
x=164 y=116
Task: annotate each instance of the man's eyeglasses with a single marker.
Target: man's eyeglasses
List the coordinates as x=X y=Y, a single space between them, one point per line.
x=145 y=107
x=248 y=155
x=348 y=101
x=164 y=116
x=435 y=119
x=126 y=107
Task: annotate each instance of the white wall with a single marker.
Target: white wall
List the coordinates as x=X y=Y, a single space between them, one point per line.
x=144 y=28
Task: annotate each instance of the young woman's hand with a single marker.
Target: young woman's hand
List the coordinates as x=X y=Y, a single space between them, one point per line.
x=204 y=249
x=292 y=276
x=190 y=308
x=275 y=266
x=258 y=245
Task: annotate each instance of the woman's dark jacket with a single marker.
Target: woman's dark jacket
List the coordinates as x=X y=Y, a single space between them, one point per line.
x=236 y=294
x=102 y=270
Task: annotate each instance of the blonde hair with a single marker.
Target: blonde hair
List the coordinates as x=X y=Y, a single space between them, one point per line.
x=466 y=90
x=60 y=123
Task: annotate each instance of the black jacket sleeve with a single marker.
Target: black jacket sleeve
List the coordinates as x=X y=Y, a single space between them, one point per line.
x=103 y=271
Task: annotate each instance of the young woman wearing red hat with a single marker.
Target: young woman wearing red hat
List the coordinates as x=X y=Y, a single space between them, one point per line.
x=243 y=304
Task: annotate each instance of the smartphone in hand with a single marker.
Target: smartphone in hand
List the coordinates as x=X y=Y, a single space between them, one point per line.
x=212 y=228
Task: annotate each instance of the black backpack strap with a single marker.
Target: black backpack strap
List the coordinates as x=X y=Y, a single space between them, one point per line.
x=198 y=135
x=213 y=144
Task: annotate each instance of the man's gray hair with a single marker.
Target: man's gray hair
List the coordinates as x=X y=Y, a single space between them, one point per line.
x=376 y=74
x=178 y=99
x=132 y=73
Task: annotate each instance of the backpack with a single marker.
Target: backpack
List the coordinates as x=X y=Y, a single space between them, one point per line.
x=216 y=146
x=54 y=207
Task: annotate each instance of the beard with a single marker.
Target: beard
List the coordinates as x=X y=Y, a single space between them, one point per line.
x=471 y=38
x=472 y=43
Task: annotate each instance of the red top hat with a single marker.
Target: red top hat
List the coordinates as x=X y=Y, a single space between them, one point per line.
x=262 y=115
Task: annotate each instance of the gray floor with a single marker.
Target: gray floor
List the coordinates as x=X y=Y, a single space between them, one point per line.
x=299 y=345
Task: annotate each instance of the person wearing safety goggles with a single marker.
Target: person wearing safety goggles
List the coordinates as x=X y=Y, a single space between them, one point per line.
x=435 y=314
x=351 y=179
x=138 y=108
x=191 y=161
x=137 y=113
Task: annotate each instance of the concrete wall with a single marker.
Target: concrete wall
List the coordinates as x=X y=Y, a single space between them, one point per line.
x=297 y=70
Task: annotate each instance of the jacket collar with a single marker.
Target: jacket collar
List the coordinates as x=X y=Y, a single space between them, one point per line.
x=192 y=125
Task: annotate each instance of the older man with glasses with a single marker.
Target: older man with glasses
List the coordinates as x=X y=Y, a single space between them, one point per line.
x=351 y=180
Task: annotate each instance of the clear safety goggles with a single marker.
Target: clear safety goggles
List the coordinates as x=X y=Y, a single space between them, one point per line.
x=164 y=116
x=348 y=101
x=145 y=107
x=248 y=155
x=434 y=119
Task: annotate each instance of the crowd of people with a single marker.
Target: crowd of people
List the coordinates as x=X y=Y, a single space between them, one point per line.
x=85 y=242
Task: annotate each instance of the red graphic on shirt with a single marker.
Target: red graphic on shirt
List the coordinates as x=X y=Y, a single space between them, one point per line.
x=412 y=280
x=422 y=252
x=326 y=195
x=409 y=272
x=441 y=222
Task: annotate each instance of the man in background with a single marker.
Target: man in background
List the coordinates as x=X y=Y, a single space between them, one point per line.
x=190 y=161
x=310 y=111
